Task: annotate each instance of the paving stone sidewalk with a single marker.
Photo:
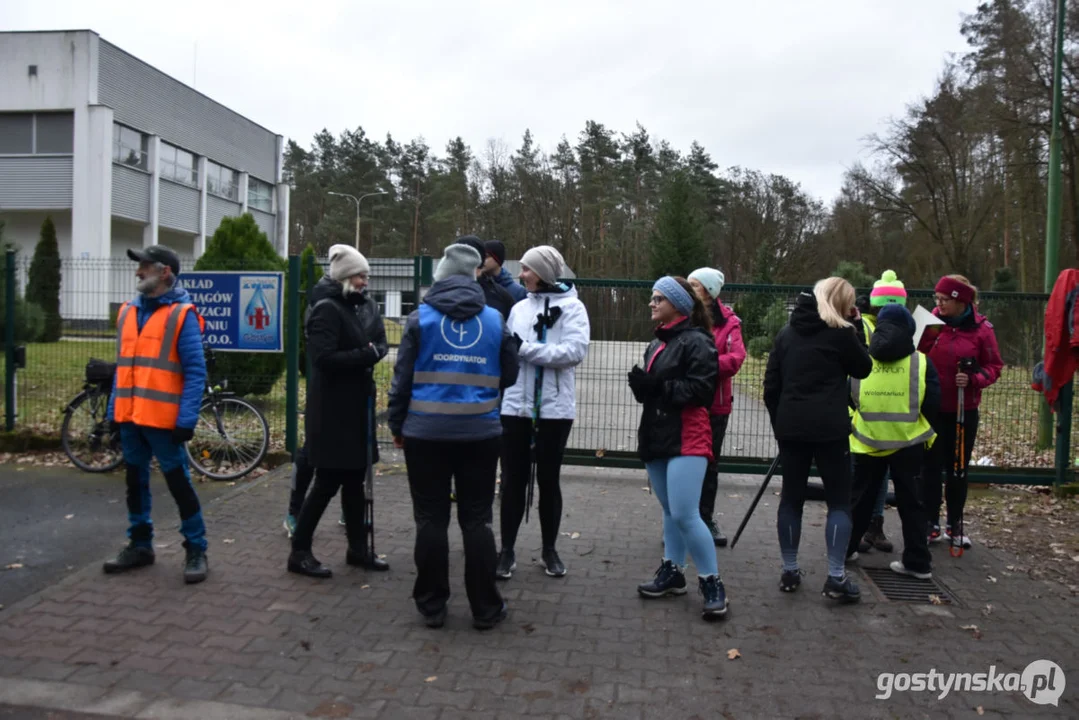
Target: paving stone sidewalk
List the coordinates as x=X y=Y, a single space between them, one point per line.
x=254 y=641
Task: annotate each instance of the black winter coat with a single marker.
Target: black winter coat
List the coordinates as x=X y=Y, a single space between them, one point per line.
x=674 y=420
x=340 y=332
x=497 y=296
x=805 y=383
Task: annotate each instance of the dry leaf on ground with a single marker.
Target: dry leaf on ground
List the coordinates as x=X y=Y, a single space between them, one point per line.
x=733 y=653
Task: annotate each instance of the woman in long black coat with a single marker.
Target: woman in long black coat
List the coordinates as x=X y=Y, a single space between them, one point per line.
x=345 y=340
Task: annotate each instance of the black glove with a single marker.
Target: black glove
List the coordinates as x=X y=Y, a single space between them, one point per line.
x=547 y=320
x=181 y=435
x=642 y=383
x=518 y=341
x=369 y=356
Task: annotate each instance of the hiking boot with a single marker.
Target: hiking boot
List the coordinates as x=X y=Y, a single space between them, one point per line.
x=488 y=623
x=842 y=589
x=864 y=545
x=715 y=597
x=131 y=557
x=553 y=563
x=957 y=540
x=669 y=580
x=934 y=534
x=290 y=525
x=304 y=563
x=790 y=580
x=435 y=620
x=507 y=563
x=897 y=566
x=367 y=560
x=853 y=557
x=195 y=566
x=875 y=536
x=718 y=538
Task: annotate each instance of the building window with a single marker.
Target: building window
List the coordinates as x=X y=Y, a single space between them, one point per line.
x=259 y=194
x=37 y=133
x=222 y=181
x=178 y=165
x=129 y=147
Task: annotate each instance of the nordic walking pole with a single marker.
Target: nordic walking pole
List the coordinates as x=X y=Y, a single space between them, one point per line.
x=537 y=402
x=959 y=469
x=753 y=505
x=369 y=480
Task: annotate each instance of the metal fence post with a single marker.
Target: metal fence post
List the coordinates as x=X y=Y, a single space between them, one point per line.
x=9 y=340
x=292 y=379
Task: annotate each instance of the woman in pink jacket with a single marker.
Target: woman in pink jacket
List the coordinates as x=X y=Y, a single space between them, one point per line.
x=727 y=331
x=965 y=355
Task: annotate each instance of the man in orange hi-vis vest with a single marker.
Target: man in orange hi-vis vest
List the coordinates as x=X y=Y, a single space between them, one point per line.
x=160 y=378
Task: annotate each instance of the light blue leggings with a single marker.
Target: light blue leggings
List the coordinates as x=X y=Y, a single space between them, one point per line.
x=677 y=484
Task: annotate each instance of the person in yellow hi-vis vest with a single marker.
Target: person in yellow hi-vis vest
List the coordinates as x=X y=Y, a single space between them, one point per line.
x=890 y=430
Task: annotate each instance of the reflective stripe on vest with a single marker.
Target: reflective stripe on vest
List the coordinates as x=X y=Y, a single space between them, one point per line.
x=457 y=370
x=878 y=426
x=868 y=326
x=149 y=376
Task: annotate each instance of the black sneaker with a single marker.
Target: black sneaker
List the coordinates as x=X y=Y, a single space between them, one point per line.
x=554 y=568
x=129 y=558
x=842 y=589
x=718 y=538
x=669 y=580
x=195 y=566
x=507 y=563
x=304 y=563
x=715 y=597
x=790 y=580
x=489 y=623
x=435 y=620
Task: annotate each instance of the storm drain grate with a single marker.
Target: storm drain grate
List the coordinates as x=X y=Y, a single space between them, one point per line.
x=903 y=588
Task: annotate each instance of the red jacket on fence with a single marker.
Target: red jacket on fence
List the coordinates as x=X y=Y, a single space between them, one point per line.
x=1061 y=343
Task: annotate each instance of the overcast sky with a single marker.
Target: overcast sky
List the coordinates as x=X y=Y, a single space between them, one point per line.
x=786 y=86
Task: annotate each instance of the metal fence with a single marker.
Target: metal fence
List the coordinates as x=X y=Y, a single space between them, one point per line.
x=607 y=416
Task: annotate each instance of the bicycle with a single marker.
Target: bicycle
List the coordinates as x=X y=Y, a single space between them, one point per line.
x=231 y=436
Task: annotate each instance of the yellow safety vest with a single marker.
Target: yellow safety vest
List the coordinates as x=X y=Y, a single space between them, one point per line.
x=887 y=415
x=869 y=326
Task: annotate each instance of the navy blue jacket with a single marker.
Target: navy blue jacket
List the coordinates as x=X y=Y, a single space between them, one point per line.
x=515 y=288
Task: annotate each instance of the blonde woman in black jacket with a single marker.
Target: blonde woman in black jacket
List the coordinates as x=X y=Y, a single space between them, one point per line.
x=805 y=391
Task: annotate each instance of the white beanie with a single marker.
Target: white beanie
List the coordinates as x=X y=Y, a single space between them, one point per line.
x=346 y=261
x=458 y=259
x=710 y=278
x=545 y=261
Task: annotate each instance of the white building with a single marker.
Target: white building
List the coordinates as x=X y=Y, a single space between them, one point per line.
x=121 y=155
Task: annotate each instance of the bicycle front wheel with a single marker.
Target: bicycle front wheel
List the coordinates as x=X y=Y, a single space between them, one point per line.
x=231 y=439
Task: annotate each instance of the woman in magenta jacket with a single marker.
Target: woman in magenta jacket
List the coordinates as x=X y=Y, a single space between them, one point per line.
x=965 y=355
x=727 y=331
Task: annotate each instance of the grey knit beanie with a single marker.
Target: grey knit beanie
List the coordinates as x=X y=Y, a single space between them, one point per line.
x=346 y=261
x=545 y=261
x=458 y=259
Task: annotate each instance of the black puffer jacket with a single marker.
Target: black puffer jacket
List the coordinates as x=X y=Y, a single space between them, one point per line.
x=805 y=383
x=340 y=331
x=674 y=420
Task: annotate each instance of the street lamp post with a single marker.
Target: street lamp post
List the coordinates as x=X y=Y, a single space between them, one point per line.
x=357 y=200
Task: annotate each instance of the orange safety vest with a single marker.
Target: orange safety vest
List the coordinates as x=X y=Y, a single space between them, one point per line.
x=149 y=377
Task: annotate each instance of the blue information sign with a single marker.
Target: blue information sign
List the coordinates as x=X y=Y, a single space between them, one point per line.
x=242 y=309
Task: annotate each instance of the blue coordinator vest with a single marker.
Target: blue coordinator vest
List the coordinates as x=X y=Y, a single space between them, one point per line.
x=457 y=370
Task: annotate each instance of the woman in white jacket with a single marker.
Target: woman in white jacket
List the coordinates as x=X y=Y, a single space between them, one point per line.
x=552 y=307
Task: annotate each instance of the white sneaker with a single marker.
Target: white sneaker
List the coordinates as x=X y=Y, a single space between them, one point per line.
x=897 y=566
x=961 y=540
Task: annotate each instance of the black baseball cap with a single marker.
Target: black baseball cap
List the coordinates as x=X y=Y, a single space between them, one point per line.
x=157 y=254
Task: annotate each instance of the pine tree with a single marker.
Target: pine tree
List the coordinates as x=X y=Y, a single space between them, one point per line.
x=678 y=243
x=43 y=288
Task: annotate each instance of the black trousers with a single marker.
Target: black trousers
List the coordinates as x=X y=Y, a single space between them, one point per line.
x=327 y=482
x=869 y=472
x=711 y=473
x=942 y=457
x=472 y=466
x=833 y=464
x=551 y=437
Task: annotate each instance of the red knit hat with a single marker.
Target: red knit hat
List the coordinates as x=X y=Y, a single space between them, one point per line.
x=955 y=289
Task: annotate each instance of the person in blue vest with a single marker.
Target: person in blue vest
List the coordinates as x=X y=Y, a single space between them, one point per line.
x=891 y=430
x=455 y=358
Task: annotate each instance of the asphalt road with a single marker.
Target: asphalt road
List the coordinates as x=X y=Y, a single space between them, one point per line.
x=36 y=532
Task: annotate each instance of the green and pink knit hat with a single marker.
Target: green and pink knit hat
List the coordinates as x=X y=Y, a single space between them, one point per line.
x=888 y=290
